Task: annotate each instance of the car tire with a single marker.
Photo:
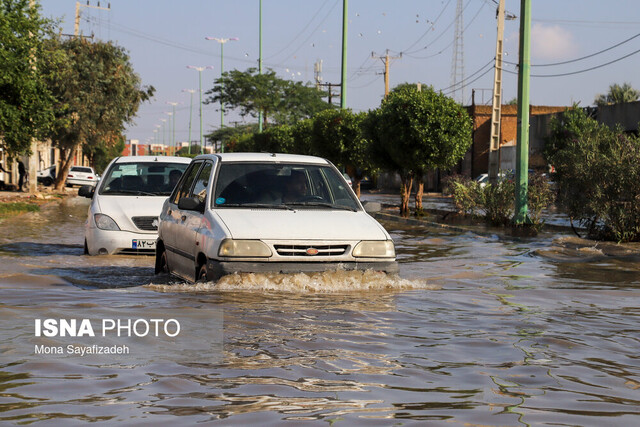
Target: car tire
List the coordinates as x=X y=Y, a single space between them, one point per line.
x=162 y=266
x=203 y=274
x=47 y=181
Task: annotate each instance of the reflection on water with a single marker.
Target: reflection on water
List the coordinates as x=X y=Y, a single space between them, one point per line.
x=478 y=330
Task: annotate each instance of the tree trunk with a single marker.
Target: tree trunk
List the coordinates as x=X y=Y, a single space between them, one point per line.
x=419 y=194
x=356 y=186
x=405 y=193
x=63 y=170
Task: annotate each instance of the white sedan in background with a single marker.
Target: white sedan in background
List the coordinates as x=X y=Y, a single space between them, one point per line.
x=124 y=210
x=82 y=175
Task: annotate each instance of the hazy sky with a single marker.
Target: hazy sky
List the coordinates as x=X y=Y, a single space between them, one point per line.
x=163 y=37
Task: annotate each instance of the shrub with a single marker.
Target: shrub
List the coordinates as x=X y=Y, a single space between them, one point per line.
x=598 y=176
x=467 y=194
x=499 y=202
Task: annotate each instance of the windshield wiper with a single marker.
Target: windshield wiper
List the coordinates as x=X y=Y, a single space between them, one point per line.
x=136 y=192
x=322 y=205
x=255 y=206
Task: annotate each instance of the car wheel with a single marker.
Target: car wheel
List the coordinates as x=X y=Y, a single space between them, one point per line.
x=47 y=182
x=162 y=266
x=203 y=275
x=86 y=248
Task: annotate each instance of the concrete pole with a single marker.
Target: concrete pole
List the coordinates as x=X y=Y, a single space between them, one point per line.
x=496 y=109
x=343 y=82
x=521 y=216
x=260 y=117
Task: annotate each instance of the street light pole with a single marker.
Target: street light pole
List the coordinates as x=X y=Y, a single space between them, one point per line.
x=222 y=43
x=200 y=69
x=173 y=137
x=521 y=216
x=191 y=92
x=170 y=114
x=260 y=117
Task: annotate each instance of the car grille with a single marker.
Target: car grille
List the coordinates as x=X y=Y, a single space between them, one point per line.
x=148 y=223
x=302 y=250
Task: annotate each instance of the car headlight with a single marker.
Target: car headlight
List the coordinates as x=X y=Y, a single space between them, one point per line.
x=244 y=248
x=374 y=249
x=105 y=222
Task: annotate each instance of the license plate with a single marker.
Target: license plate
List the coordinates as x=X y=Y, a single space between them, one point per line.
x=143 y=244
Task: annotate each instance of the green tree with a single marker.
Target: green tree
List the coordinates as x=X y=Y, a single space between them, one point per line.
x=26 y=105
x=97 y=92
x=338 y=136
x=419 y=131
x=618 y=94
x=231 y=135
x=281 y=101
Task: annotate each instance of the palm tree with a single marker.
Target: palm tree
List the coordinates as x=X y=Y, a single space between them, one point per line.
x=618 y=95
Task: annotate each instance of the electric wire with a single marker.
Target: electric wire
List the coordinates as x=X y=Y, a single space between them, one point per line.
x=581 y=58
x=431 y=27
x=450 y=43
x=297 y=36
x=454 y=86
x=579 y=71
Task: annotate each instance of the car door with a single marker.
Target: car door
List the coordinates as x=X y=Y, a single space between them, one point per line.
x=187 y=244
x=172 y=219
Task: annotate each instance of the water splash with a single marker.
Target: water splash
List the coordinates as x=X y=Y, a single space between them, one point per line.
x=323 y=282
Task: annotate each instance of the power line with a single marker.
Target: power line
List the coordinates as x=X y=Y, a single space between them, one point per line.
x=581 y=58
x=447 y=46
x=580 y=71
x=431 y=27
x=471 y=75
x=474 y=80
x=297 y=36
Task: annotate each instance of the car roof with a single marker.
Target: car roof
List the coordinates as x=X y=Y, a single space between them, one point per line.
x=139 y=159
x=265 y=157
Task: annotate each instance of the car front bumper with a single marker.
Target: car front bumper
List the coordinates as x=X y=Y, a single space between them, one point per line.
x=217 y=269
x=105 y=242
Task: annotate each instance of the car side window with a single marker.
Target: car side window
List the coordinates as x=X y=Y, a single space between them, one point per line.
x=183 y=191
x=202 y=182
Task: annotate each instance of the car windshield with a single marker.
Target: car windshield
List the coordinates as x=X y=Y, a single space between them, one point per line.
x=277 y=185
x=144 y=178
x=80 y=169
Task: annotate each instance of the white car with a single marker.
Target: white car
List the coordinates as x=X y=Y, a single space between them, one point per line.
x=261 y=212
x=82 y=175
x=124 y=210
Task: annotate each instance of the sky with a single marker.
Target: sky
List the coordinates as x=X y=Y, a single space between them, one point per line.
x=578 y=49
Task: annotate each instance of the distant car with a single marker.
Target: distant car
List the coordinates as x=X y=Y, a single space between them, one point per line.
x=483 y=178
x=82 y=175
x=46 y=176
x=348 y=179
x=262 y=212
x=123 y=215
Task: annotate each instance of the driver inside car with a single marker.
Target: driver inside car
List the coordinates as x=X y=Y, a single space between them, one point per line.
x=295 y=188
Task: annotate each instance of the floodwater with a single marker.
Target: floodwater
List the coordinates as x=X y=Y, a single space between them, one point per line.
x=476 y=330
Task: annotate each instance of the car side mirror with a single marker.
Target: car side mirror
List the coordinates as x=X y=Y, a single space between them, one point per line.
x=86 y=191
x=191 y=204
x=372 y=207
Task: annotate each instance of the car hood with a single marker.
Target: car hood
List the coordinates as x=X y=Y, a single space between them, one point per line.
x=301 y=224
x=122 y=208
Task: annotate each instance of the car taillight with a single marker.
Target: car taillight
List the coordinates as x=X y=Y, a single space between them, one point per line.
x=69 y=176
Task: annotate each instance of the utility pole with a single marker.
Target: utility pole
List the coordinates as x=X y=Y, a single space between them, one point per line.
x=343 y=81
x=521 y=216
x=330 y=93
x=386 y=59
x=260 y=115
x=496 y=109
x=76 y=28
